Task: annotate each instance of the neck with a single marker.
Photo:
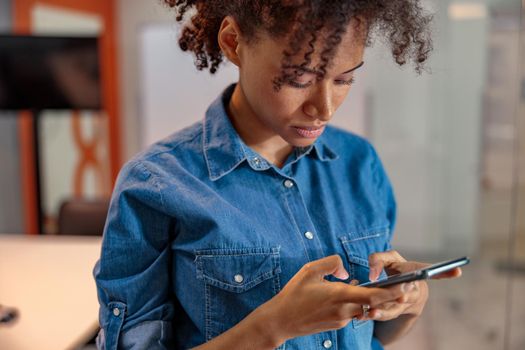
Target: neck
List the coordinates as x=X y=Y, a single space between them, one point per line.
x=264 y=141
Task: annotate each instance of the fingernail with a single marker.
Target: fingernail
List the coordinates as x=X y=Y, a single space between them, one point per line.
x=378 y=314
x=404 y=288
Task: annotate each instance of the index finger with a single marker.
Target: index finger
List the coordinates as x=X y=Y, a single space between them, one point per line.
x=378 y=261
x=330 y=265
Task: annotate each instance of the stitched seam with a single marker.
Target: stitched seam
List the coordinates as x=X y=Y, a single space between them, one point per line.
x=372 y=233
x=207 y=311
x=223 y=255
x=251 y=284
x=156 y=181
x=259 y=250
x=372 y=230
x=162 y=334
x=277 y=267
x=375 y=166
x=362 y=238
x=204 y=148
x=318 y=340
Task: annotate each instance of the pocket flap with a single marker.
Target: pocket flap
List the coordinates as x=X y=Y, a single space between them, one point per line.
x=359 y=244
x=237 y=270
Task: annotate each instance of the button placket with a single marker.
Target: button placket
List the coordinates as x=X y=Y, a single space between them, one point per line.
x=301 y=218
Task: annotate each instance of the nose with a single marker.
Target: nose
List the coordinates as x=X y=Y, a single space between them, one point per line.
x=320 y=104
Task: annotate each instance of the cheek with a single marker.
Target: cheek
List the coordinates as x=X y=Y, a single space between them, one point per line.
x=279 y=106
x=285 y=107
x=340 y=96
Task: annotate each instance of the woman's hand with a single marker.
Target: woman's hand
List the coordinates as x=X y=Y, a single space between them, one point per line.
x=310 y=304
x=415 y=294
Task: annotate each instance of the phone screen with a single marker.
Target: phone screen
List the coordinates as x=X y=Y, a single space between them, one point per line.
x=420 y=274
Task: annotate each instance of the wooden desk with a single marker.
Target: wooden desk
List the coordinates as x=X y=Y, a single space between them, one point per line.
x=49 y=280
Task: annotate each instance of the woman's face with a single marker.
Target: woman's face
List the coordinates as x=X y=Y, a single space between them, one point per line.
x=298 y=113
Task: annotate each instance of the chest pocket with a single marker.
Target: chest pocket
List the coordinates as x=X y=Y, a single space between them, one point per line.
x=236 y=281
x=358 y=246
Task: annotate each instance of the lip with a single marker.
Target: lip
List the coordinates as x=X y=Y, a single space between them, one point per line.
x=310 y=127
x=309 y=131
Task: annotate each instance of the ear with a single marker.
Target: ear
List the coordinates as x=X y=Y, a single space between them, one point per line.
x=229 y=38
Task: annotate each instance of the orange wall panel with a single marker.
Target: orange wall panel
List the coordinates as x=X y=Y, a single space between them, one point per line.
x=22 y=10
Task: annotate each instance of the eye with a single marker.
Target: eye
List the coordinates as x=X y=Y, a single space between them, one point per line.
x=298 y=85
x=300 y=79
x=345 y=82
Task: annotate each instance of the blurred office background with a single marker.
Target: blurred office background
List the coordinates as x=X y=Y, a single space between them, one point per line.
x=452 y=141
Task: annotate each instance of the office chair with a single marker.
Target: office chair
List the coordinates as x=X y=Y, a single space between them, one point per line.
x=80 y=216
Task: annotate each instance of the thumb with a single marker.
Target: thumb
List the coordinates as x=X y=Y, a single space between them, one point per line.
x=330 y=265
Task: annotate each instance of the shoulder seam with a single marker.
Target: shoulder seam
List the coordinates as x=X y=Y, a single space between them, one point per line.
x=155 y=178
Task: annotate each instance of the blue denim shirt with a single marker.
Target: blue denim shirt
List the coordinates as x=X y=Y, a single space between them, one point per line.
x=202 y=230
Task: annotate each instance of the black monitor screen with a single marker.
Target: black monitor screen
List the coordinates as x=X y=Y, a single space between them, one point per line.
x=38 y=72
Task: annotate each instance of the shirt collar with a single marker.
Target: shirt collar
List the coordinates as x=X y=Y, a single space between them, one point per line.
x=323 y=152
x=224 y=150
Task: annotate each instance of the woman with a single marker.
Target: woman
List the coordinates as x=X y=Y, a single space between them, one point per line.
x=250 y=229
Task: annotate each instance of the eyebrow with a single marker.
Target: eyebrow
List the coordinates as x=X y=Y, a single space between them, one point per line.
x=355 y=68
x=313 y=71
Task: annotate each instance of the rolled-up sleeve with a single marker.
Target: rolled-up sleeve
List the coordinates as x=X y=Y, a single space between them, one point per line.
x=133 y=272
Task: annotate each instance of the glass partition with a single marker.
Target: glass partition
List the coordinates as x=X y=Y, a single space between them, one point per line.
x=515 y=337
x=453 y=144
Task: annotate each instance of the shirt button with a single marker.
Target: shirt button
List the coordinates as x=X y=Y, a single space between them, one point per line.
x=288 y=183
x=116 y=312
x=257 y=161
x=238 y=278
x=309 y=235
x=327 y=344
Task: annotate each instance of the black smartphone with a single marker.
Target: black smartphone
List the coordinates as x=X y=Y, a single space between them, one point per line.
x=420 y=274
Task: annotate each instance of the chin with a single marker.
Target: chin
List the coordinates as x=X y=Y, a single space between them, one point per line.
x=302 y=142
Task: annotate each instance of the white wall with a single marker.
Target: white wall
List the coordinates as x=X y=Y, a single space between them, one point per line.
x=132 y=16
x=173 y=93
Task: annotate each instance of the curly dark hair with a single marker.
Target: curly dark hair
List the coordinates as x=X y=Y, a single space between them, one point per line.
x=402 y=24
